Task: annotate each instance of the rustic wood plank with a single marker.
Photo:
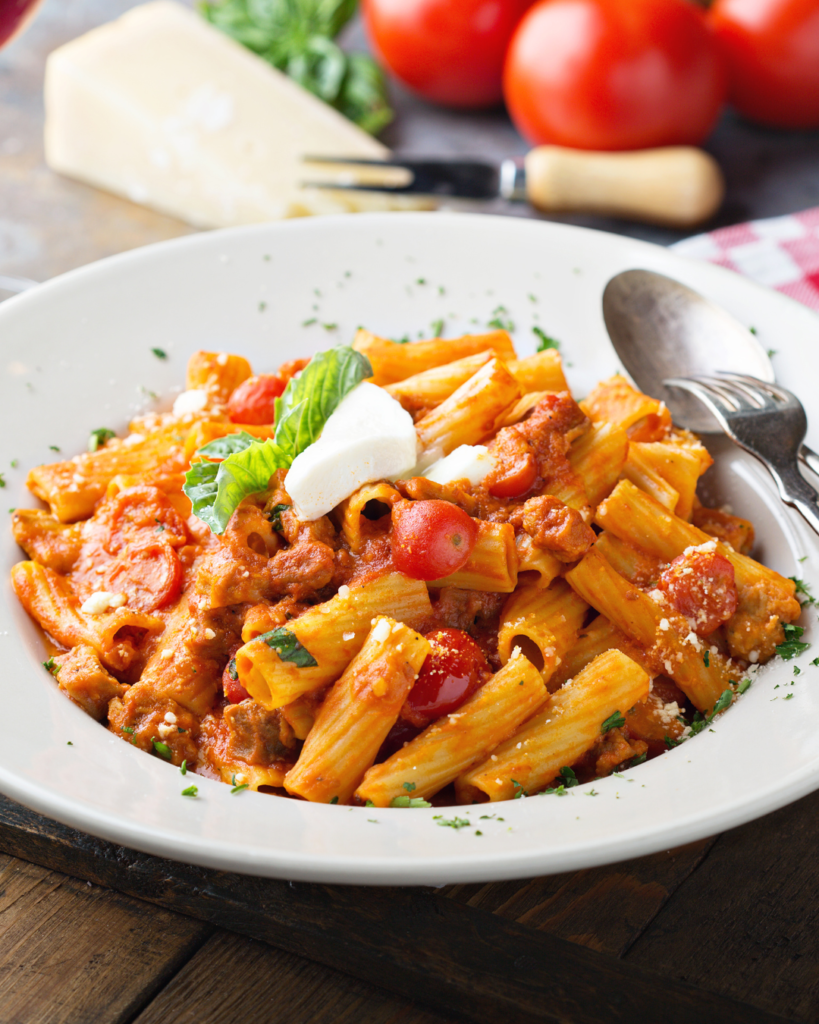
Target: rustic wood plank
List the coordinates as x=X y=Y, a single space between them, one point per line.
x=71 y=952
x=605 y=908
x=456 y=959
x=235 y=980
x=747 y=923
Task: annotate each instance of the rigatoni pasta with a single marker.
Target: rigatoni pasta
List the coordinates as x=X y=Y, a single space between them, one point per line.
x=508 y=592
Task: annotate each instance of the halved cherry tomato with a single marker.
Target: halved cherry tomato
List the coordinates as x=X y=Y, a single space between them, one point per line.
x=701 y=586
x=254 y=401
x=453 y=670
x=233 y=689
x=149 y=573
x=431 y=539
x=143 y=514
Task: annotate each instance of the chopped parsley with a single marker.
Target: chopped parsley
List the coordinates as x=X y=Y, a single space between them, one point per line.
x=803 y=590
x=544 y=341
x=98 y=437
x=639 y=759
x=706 y=659
x=409 y=801
x=791 y=646
x=232 y=672
x=788 y=697
x=160 y=527
x=334 y=800
x=162 y=749
x=557 y=791
x=569 y=777
x=51 y=666
x=330 y=327
x=437 y=327
x=744 y=685
x=275 y=516
x=288 y=647
x=160 y=353
x=2 y=481
x=409 y=786
x=190 y=791
x=614 y=721
x=69 y=743
x=15 y=463
x=262 y=307
x=310 y=322
x=456 y=823
x=501 y=320
x=55 y=447
x=183 y=768
x=519 y=790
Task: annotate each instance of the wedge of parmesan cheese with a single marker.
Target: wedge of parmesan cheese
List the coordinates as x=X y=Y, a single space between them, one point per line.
x=164 y=109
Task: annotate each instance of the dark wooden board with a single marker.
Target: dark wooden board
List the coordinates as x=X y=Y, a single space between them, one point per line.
x=456 y=959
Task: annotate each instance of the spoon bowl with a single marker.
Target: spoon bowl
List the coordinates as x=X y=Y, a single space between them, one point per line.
x=662 y=329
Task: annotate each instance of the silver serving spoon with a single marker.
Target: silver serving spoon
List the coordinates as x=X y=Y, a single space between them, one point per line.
x=662 y=329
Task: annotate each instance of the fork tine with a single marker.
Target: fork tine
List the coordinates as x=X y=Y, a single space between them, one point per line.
x=747 y=398
x=712 y=399
x=766 y=387
x=403 y=165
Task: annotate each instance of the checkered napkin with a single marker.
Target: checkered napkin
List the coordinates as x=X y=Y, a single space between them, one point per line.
x=780 y=252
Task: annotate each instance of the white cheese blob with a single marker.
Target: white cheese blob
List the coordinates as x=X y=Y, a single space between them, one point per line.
x=369 y=437
x=190 y=401
x=101 y=601
x=468 y=462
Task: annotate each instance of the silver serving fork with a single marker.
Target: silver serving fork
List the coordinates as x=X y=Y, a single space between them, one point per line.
x=766 y=420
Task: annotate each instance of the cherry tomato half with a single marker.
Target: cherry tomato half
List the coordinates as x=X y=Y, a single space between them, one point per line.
x=448 y=51
x=149 y=573
x=431 y=539
x=254 y=401
x=453 y=670
x=701 y=586
x=233 y=689
x=614 y=74
x=772 y=50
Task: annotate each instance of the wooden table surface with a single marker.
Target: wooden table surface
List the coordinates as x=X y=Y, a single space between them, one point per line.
x=92 y=933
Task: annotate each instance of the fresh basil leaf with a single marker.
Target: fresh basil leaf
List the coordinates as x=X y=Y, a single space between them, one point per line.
x=275 y=516
x=311 y=398
x=288 y=647
x=200 y=486
x=240 y=475
x=228 y=445
x=296 y=36
x=217 y=489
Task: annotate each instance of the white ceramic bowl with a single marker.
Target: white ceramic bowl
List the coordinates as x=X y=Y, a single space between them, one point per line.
x=76 y=355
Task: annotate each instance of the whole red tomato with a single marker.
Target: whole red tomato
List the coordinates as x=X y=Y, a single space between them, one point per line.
x=448 y=51
x=772 y=50
x=614 y=74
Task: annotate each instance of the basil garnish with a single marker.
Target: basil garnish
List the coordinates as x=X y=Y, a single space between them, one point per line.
x=288 y=647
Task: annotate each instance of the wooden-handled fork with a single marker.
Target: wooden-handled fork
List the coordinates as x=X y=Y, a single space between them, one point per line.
x=677 y=185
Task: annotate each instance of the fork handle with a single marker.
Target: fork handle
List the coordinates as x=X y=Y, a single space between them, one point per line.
x=676 y=185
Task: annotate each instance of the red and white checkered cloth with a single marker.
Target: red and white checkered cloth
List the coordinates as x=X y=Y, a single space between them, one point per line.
x=780 y=252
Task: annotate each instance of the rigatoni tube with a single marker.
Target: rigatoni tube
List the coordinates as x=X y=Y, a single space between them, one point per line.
x=357 y=714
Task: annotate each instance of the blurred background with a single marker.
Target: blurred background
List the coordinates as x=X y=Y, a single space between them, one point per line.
x=50 y=223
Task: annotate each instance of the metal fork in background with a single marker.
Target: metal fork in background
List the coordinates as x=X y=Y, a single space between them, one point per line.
x=766 y=420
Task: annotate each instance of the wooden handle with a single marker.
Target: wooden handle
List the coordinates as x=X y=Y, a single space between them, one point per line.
x=678 y=185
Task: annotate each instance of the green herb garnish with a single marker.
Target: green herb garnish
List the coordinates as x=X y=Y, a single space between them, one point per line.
x=183 y=768
x=569 y=777
x=791 y=646
x=162 y=749
x=190 y=791
x=288 y=647
x=51 y=666
x=232 y=671
x=501 y=320
x=409 y=786
x=409 y=801
x=614 y=721
x=98 y=437
x=334 y=800
x=744 y=685
x=160 y=353
x=544 y=341
x=804 y=590
x=275 y=516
